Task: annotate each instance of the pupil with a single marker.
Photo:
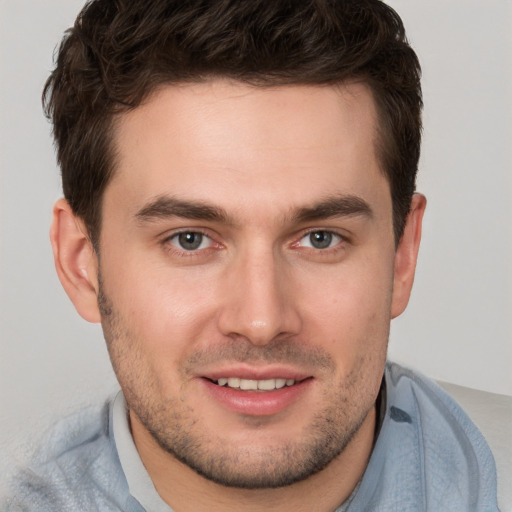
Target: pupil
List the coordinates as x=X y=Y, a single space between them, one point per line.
x=190 y=241
x=320 y=239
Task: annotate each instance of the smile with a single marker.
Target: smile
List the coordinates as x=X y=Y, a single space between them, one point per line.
x=254 y=385
x=263 y=396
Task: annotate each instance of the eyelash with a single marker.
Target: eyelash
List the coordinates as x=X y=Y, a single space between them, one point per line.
x=170 y=247
x=343 y=240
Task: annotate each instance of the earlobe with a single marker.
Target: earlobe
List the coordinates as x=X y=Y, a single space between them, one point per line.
x=406 y=256
x=75 y=260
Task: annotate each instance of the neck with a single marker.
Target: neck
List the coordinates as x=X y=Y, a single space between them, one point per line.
x=186 y=491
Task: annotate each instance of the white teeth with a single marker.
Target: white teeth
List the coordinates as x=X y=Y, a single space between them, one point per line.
x=267 y=385
x=280 y=383
x=252 y=385
x=247 y=384
x=233 y=382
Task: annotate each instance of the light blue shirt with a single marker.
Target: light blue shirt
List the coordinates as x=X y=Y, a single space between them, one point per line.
x=428 y=457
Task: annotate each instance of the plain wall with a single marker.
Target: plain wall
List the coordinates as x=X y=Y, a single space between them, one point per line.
x=458 y=326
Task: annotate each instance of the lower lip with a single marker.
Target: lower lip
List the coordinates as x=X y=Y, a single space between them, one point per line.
x=257 y=403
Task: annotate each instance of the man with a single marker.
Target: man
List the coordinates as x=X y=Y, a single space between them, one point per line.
x=240 y=215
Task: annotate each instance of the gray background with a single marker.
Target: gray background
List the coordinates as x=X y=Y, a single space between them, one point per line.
x=458 y=326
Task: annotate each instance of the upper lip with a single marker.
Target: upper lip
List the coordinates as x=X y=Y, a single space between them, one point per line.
x=248 y=372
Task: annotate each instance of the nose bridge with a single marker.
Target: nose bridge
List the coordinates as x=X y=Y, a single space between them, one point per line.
x=258 y=305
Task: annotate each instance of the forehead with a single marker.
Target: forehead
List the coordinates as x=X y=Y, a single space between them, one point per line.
x=236 y=144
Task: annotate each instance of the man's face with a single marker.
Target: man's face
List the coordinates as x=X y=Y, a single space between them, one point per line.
x=247 y=242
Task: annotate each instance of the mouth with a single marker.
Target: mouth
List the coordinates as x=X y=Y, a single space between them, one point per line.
x=254 y=385
x=257 y=397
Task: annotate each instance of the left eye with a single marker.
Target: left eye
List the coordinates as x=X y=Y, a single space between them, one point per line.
x=190 y=240
x=320 y=239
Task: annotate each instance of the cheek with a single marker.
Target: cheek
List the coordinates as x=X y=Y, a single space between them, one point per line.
x=351 y=312
x=168 y=313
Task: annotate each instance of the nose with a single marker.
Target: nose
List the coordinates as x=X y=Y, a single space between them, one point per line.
x=258 y=300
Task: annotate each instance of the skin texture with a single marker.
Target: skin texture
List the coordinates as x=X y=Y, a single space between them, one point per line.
x=254 y=178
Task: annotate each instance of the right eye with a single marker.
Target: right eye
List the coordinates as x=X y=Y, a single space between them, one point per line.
x=190 y=240
x=320 y=239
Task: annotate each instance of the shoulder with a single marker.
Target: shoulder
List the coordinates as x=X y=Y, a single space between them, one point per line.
x=457 y=465
x=428 y=454
x=437 y=414
x=76 y=468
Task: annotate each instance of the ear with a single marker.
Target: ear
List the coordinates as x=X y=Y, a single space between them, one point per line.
x=75 y=260
x=406 y=256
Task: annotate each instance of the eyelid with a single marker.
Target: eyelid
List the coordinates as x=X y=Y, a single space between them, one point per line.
x=304 y=233
x=169 y=246
x=331 y=254
x=175 y=236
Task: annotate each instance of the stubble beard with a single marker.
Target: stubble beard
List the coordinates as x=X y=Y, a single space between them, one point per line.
x=181 y=432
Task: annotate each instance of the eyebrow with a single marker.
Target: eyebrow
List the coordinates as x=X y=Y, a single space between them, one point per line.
x=165 y=207
x=334 y=206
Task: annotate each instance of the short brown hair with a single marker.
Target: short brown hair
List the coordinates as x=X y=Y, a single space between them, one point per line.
x=119 y=51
